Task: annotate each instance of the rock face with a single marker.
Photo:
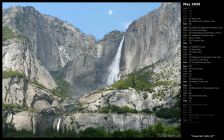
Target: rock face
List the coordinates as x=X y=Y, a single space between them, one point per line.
x=14 y=91
x=59 y=46
x=110 y=122
x=39 y=122
x=16 y=55
x=24 y=91
x=52 y=40
x=20 y=92
x=153 y=37
x=18 y=120
x=47 y=44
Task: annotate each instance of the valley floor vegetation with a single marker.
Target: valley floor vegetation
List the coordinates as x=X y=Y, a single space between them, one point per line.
x=157 y=130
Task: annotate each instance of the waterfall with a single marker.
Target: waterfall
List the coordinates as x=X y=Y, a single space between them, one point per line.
x=58 y=125
x=114 y=68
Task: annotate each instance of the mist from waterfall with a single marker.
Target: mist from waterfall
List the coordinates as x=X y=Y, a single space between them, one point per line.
x=114 y=68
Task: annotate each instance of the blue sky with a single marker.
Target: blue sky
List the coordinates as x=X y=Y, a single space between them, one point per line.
x=94 y=18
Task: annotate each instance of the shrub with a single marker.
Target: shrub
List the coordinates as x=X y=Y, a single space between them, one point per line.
x=39 y=84
x=93 y=132
x=57 y=92
x=126 y=109
x=116 y=134
x=130 y=133
x=121 y=84
x=167 y=113
x=145 y=96
x=105 y=110
x=117 y=109
x=159 y=83
x=10 y=73
x=7 y=33
x=171 y=131
x=148 y=132
x=140 y=80
x=122 y=110
x=147 y=111
x=64 y=88
x=14 y=107
x=159 y=128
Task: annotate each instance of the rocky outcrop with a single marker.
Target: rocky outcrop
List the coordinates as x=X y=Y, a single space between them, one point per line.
x=14 y=90
x=22 y=121
x=25 y=91
x=20 y=92
x=17 y=56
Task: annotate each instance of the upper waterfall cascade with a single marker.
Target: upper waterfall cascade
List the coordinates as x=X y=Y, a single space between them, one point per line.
x=114 y=68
